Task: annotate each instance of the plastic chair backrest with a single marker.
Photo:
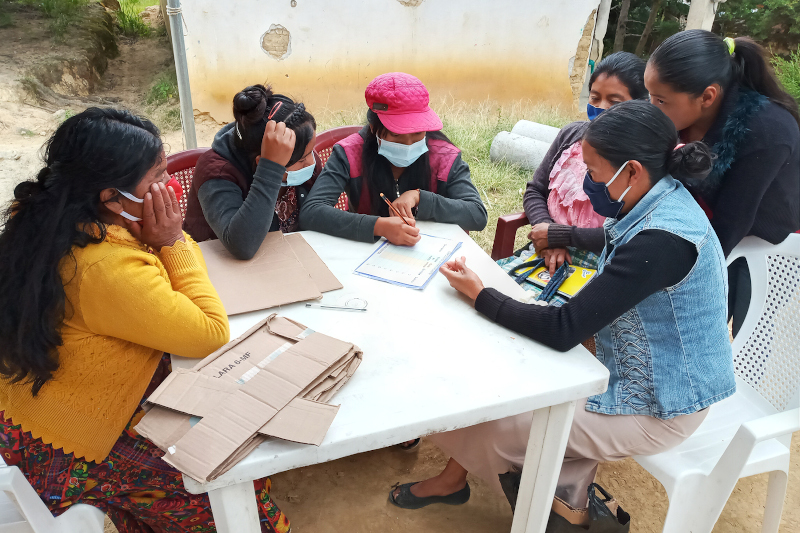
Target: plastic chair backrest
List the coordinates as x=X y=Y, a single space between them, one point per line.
x=325 y=142
x=767 y=348
x=22 y=510
x=181 y=167
x=327 y=139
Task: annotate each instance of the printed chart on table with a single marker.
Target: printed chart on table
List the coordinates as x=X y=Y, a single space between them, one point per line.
x=409 y=266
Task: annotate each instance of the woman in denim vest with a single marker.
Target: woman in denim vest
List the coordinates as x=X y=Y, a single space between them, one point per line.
x=666 y=347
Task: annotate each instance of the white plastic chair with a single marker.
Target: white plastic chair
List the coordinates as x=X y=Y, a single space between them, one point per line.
x=750 y=432
x=22 y=511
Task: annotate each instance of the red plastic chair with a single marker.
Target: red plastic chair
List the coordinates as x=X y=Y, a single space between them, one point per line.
x=324 y=148
x=507 y=227
x=181 y=167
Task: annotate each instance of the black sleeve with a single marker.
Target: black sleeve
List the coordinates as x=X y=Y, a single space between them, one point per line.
x=649 y=262
x=561 y=236
x=741 y=193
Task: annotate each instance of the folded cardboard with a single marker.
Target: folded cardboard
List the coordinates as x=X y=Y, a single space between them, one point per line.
x=273 y=381
x=285 y=269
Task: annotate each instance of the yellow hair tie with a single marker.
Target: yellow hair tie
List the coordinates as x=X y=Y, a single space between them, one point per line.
x=731 y=45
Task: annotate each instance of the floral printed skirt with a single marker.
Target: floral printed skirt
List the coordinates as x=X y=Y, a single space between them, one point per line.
x=138 y=491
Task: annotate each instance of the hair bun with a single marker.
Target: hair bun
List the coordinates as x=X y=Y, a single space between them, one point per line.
x=250 y=104
x=27 y=189
x=693 y=160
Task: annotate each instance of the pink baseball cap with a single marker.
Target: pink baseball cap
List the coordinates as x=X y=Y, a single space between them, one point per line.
x=401 y=102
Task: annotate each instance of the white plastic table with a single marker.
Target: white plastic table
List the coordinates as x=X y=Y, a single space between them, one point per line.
x=431 y=364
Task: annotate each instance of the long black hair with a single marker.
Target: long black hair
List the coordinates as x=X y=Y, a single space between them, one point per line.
x=692 y=60
x=627 y=68
x=94 y=150
x=639 y=131
x=378 y=171
x=254 y=106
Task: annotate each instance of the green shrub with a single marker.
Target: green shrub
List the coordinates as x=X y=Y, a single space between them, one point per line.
x=61 y=12
x=788 y=71
x=129 y=21
x=164 y=90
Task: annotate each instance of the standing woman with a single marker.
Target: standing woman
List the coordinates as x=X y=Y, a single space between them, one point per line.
x=97 y=281
x=724 y=92
x=564 y=223
x=256 y=175
x=402 y=153
x=666 y=349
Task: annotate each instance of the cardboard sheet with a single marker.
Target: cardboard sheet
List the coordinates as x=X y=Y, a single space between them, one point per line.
x=273 y=381
x=283 y=270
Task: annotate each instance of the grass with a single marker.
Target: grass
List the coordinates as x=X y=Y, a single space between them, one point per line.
x=162 y=103
x=472 y=128
x=129 y=21
x=788 y=71
x=164 y=90
x=5 y=17
x=140 y=5
x=62 y=14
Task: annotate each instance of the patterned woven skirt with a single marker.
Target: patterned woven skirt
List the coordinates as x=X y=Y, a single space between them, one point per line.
x=138 y=491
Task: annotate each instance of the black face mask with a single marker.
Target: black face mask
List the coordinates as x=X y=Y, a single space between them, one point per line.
x=601 y=199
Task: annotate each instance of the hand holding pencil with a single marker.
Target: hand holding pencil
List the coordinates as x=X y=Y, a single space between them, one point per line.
x=397 y=229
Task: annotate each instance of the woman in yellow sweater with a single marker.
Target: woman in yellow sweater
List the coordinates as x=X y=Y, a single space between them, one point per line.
x=97 y=282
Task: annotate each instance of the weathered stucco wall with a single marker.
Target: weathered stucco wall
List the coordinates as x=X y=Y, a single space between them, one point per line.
x=326 y=51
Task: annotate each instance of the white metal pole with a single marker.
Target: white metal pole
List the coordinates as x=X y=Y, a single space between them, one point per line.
x=182 y=70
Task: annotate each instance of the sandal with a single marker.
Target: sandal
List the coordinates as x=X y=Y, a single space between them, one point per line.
x=406 y=500
x=409 y=447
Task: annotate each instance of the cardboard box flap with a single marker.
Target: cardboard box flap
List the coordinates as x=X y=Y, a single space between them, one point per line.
x=265 y=383
x=274 y=276
x=315 y=266
x=267 y=391
x=191 y=393
x=303 y=421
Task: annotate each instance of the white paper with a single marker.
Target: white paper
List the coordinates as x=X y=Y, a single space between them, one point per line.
x=409 y=266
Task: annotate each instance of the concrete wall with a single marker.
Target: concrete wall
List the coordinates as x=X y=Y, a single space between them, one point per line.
x=324 y=52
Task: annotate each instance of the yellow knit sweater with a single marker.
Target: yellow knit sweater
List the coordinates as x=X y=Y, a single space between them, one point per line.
x=126 y=306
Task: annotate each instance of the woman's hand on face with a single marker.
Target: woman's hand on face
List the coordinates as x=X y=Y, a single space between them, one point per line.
x=462 y=278
x=396 y=231
x=277 y=144
x=161 y=218
x=554 y=258
x=407 y=201
x=538 y=235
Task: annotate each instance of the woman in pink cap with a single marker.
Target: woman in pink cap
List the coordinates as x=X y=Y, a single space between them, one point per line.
x=402 y=153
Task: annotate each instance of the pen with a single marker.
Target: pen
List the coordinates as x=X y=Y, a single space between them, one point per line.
x=396 y=212
x=340 y=308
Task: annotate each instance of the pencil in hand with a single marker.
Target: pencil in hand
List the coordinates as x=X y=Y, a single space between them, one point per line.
x=395 y=211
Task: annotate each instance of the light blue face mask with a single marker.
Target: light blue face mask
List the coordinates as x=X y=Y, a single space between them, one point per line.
x=401 y=155
x=299 y=177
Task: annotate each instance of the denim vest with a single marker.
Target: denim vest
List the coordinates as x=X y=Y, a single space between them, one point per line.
x=670 y=355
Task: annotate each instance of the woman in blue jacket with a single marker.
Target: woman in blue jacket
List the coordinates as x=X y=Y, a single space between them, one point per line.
x=667 y=350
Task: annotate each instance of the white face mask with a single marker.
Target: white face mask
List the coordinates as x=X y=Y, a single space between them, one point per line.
x=299 y=177
x=132 y=198
x=401 y=155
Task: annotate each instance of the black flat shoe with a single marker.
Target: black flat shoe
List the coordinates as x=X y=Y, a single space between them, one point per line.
x=406 y=500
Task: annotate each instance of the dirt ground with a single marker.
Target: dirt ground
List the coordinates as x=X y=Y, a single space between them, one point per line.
x=349 y=494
